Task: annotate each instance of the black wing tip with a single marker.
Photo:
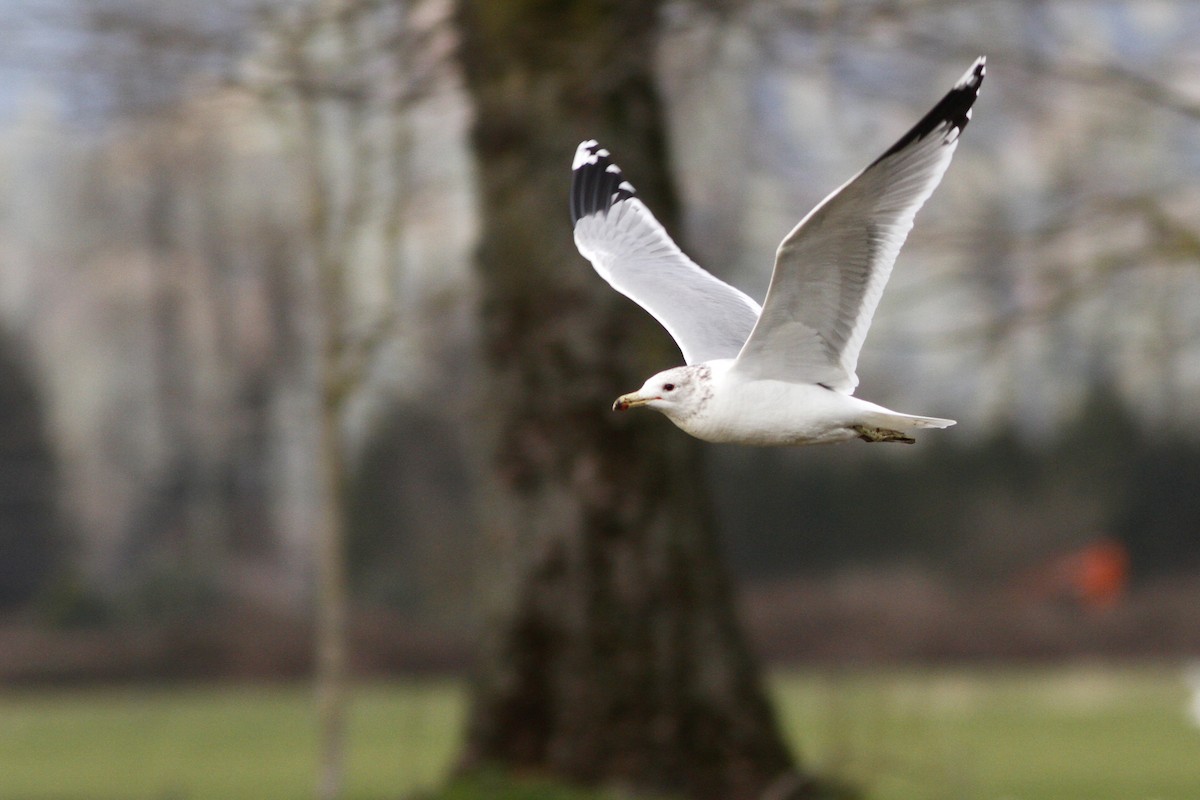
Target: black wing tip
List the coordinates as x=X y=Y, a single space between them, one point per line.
x=952 y=113
x=596 y=182
x=973 y=77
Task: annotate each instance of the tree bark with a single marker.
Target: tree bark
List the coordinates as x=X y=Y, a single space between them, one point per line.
x=613 y=654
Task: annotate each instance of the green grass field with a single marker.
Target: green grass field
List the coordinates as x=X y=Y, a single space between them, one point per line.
x=1031 y=734
x=1012 y=734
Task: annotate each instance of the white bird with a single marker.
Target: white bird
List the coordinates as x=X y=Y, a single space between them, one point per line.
x=783 y=374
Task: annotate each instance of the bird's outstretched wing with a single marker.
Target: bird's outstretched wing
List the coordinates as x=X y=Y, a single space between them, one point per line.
x=707 y=317
x=831 y=269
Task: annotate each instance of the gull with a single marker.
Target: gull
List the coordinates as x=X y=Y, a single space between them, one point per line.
x=782 y=374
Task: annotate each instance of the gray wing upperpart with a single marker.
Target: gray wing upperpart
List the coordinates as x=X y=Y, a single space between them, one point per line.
x=831 y=268
x=707 y=318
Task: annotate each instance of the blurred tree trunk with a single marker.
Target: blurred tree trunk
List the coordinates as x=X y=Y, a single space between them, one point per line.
x=613 y=655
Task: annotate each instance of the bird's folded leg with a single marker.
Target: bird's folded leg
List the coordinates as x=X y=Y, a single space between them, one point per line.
x=869 y=434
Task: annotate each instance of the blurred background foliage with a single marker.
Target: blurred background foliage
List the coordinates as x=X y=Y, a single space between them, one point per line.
x=180 y=180
x=175 y=176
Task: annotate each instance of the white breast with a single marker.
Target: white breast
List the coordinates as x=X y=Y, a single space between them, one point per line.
x=768 y=412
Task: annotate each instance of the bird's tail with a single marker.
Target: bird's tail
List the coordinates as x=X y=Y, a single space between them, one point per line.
x=906 y=422
x=924 y=421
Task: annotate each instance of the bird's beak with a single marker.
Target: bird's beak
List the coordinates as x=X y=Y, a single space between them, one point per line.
x=631 y=400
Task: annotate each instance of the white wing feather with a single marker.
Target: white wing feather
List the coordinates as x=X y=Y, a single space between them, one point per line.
x=831 y=269
x=707 y=318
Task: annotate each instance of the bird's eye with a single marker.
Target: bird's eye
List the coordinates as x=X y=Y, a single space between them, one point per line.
x=668 y=387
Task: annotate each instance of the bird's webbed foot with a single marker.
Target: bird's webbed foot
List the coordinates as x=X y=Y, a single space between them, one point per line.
x=870 y=434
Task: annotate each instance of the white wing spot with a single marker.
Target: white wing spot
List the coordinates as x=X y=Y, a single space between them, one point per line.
x=970 y=78
x=612 y=168
x=626 y=186
x=584 y=154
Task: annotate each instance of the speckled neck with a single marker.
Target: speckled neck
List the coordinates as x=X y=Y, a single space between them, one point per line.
x=703 y=377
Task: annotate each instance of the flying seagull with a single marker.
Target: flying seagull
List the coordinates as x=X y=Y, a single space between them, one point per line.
x=782 y=374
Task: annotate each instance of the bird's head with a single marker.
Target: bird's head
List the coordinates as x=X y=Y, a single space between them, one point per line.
x=677 y=392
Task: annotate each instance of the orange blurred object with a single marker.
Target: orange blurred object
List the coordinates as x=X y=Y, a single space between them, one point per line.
x=1095 y=576
x=1099 y=573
